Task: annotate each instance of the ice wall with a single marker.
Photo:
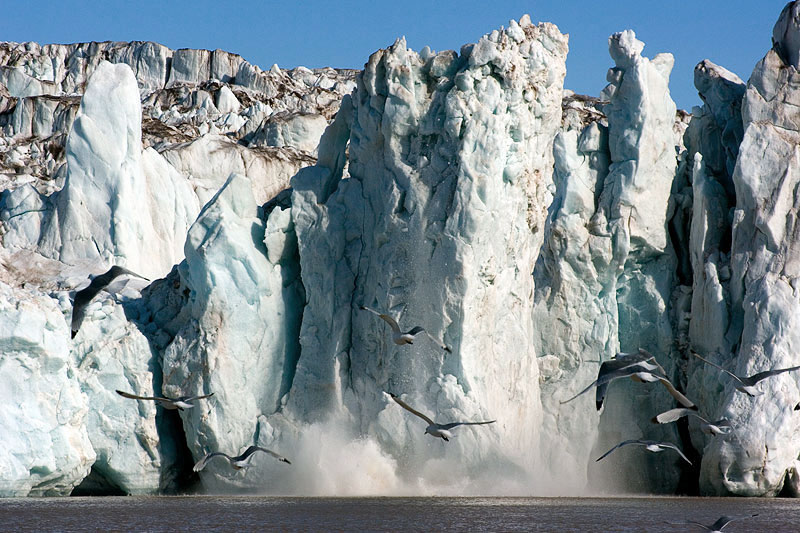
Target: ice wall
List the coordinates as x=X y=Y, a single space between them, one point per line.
x=124 y=187
x=439 y=223
x=239 y=339
x=763 y=332
x=606 y=272
x=45 y=444
x=713 y=139
x=536 y=231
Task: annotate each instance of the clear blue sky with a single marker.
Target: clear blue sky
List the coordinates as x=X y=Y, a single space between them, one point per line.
x=732 y=33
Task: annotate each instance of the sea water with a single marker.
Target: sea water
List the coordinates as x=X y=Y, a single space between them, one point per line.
x=268 y=513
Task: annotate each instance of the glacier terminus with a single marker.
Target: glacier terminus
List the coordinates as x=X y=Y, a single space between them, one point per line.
x=528 y=239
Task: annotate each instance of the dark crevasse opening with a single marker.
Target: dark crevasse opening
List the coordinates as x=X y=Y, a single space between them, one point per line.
x=293 y=291
x=679 y=225
x=158 y=315
x=177 y=476
x=96 y=484
x=689 y=482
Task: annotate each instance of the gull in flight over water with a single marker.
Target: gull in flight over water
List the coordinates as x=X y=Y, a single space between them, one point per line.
x=84 y=296
x=436 y=430
x=180 y=403
x=717 y=526
x=408 y=337
x=640 y=367
x=719 y=427
x=651 y=445
x=240 y=461
x=748 y=384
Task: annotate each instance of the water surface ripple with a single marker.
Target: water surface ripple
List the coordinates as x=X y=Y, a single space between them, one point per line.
x=268 y=513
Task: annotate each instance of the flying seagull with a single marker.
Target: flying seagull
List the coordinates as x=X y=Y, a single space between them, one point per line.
x=181 y=402
x=640 y=367
x=719 y=427
x=434 y=429
x=651 y=445
x=408 y=337
x=621 y=365
x=86 y=295
x=717 y=526
x=240 y=461
x=748 y=384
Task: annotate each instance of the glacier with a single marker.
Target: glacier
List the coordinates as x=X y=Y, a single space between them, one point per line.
x=536 y=231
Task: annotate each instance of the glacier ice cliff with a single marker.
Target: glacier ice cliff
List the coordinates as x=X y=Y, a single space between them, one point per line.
x=239 y=339
x=439 y=223
x=761 y=289
x=536 y=231
x=46 y=446
x=604 y=277
x=105 y=163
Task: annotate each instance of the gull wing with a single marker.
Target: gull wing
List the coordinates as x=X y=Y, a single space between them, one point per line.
x=606 y=377
x=191 y=398
x=647 y=443
x=630 y=370
x=683 y=400
x=455 y=424
x=672 y=446
x=253 y=449
x=365 y=308
x=135 y=397
x=201 y=464
x=731 y=374
x=721 y=421
x=79 y=304
x=600 y=394
x=755 y=378
x=415 y=330
x=389 y=320
x=621 y=444
x=84 y=296
x=675 y=414
x=115 y=271
x=723 y=424
x=612 y=369
x=408 y=408
x=441 y=344
x=725 y=520
x=642 y=356
x=625 y=356
x=623 y=360
x=585 y=390
x=103 y=280
x=650 y=357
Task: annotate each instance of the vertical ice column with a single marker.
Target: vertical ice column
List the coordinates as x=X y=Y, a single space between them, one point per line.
x=712 y=140
x=575 y=318
x=765 y=264
x=439 y=224
x=239 y=338
x=117 y=206
x=607 y=273
x=635 y=203
x=45 y=446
